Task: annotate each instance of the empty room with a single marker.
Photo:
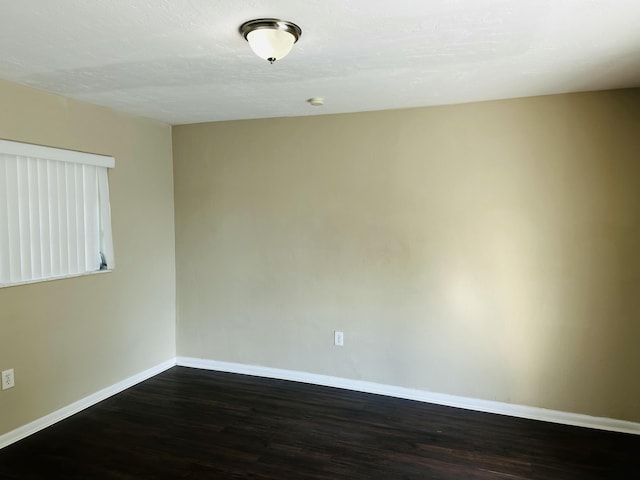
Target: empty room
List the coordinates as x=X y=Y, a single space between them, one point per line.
x=338 y=239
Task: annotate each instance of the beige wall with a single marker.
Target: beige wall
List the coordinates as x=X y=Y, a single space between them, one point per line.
x=70 y=338
x=487 y=250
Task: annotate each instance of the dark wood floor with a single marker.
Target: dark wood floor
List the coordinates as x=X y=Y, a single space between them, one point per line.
x=192 y=424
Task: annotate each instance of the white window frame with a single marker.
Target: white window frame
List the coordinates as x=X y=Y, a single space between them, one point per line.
x=43 y=189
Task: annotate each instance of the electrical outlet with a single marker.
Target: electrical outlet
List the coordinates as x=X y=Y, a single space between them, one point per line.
x=338 y=338
x=8 y=379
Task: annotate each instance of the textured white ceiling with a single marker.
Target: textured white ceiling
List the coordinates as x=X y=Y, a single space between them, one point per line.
x=183 y=61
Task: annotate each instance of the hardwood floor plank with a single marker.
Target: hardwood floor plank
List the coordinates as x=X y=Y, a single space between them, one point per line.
x=192 y=424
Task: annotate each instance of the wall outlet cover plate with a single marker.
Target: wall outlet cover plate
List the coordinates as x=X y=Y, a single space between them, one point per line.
x=8 y=379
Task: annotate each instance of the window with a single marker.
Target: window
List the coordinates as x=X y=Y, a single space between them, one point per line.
x=55 y=218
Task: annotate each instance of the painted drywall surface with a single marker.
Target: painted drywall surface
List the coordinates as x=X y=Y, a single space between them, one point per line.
x=69 y=338
x=485 y=250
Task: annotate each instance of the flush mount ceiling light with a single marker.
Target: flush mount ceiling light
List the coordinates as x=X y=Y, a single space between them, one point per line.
x=270 y=38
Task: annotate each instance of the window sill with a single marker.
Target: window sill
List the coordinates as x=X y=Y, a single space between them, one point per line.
x=62 y=277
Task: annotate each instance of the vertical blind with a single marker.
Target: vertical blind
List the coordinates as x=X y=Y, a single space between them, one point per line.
x=55 y=216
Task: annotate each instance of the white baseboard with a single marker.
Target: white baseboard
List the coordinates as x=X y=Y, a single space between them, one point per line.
x=54 y=417
x=522 y=411
x=501 y=408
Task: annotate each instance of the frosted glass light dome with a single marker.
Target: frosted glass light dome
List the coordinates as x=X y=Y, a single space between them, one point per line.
x=270 y=38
